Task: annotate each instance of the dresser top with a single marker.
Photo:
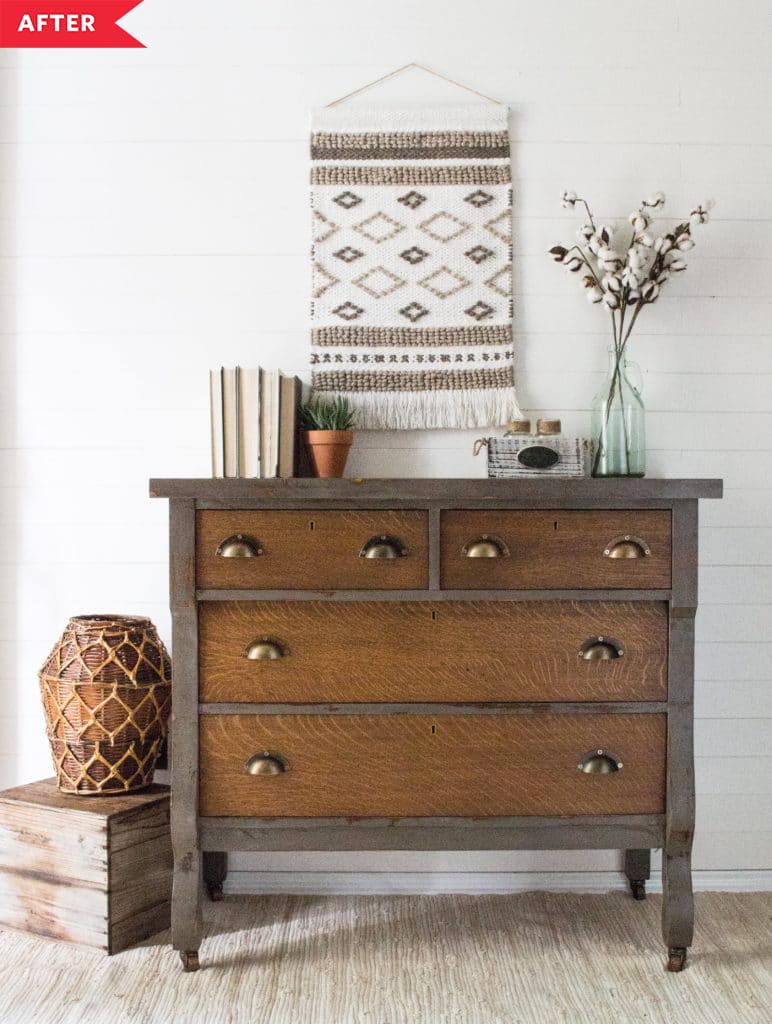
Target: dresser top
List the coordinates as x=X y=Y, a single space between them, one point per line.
x=586 y=491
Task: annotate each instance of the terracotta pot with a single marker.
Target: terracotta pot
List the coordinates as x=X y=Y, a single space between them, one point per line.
x=329 y=451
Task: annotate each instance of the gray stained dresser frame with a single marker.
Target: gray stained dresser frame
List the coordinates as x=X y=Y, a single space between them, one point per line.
x=201 y=844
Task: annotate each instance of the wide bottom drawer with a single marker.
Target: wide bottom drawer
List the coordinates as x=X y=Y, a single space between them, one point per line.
x=482 y=765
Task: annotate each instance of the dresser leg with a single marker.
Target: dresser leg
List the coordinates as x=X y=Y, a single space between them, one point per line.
x=676 y=958
x=215 y=873
x=677 y=908
x=638 y=870
x=189 y=960
x=186 y=907
x=187 y=876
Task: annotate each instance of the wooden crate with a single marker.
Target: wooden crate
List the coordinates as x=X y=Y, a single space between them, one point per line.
x=93 y=870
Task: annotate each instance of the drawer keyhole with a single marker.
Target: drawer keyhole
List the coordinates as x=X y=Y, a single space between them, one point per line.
x=312 y=526
x=434 y=730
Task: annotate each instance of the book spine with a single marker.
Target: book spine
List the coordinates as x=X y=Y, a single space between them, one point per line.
x=259 y=426
x=239 y=443
x=222 y=416
x=216 y=424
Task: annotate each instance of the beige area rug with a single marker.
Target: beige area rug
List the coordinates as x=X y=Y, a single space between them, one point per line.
x=524 y=959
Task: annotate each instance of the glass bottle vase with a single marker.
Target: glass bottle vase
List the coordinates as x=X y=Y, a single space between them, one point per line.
x=619 y=421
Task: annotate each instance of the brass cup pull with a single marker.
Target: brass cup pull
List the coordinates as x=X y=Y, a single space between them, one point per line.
x=239 y=546
x=600 y=762
x=265 y=763
x=485 y=546
x=383 y=547
x=265 y=648
x=600 y=648
x=627 y=547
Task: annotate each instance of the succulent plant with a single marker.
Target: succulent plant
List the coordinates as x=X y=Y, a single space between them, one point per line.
x=322 y=414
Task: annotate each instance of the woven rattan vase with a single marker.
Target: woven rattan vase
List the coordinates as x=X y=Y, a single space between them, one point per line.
x=106 y=690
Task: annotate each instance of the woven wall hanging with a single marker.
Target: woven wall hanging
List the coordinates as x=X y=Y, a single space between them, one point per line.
x=412 y=264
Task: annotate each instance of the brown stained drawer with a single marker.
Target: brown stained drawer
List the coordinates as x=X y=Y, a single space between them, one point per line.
x=312 y=550
x=432 y=651
x=416 y=765
x=553 y=550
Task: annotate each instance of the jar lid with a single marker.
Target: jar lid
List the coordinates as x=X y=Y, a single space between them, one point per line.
x=519 y=427
x=548 y=426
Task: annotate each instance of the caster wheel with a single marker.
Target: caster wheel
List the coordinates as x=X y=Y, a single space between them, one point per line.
x=214 y=889
x=638 y=890
x=189 y=960
x=676 y=960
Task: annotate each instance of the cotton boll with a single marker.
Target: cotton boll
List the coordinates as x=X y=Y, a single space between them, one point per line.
x=609 y=259
x=637 y=258
x=612 y=283
x=595 y=245
x=657 y=199
x=699 y=214
x=663 y=244
x=631 y=278
x=568 y=199
x=677 y=264
x=611 y=300
x=594 y=294
x=650 y=291
x=573 y=264
x=646 y=239
x=633 y=296
x=684 y=243
x=585 y=233
x=639 y=221
x=558 y=253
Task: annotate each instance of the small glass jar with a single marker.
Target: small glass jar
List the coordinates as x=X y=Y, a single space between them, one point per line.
x=548 y=428
x=518 y=428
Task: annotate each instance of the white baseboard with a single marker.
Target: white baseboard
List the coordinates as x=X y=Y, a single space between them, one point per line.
x=417 y=883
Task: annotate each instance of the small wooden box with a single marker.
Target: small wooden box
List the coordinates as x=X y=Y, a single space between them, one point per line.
x=94 y=870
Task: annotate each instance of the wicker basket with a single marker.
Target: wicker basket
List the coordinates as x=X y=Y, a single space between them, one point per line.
x=106 y=689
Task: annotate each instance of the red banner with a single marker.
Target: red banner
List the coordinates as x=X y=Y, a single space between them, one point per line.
x=87 y=24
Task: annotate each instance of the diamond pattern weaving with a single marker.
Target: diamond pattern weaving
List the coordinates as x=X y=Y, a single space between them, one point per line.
x=412 y=264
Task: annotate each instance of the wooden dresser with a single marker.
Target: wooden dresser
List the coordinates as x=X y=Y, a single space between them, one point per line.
x=433 y=665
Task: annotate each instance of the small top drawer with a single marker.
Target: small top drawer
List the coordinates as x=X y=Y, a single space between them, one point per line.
x=311 y=550
x=576 y=550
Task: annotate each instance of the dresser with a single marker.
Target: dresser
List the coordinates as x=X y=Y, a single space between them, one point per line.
x=433 y=665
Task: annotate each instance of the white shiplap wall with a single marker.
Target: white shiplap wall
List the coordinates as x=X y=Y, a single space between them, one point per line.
x=154 y=222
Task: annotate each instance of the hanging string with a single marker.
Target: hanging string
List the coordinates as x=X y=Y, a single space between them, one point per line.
x=407 y=67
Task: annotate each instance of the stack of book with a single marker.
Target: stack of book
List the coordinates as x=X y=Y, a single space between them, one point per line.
x=254 y=422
